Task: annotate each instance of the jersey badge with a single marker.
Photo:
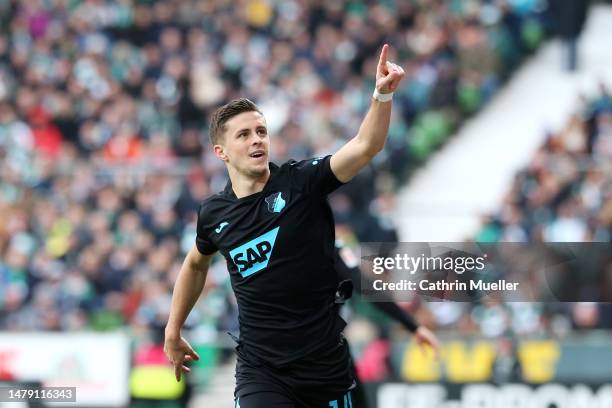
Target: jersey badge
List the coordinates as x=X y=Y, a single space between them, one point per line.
x=276 y=203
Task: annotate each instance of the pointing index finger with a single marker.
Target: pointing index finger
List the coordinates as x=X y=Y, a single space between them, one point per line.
x=383 y=56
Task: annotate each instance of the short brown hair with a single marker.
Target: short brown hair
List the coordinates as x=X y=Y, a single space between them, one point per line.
x=220 y=116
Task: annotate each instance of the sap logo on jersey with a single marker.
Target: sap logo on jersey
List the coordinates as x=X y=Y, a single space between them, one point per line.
x=254 y=255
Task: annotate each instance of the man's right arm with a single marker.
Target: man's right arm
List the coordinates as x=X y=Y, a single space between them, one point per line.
x=187 y=290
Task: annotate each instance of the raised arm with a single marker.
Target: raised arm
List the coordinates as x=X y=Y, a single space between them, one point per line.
x=372 y=135
x=187 y=290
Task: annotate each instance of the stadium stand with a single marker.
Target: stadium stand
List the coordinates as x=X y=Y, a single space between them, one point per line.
x=103 y=106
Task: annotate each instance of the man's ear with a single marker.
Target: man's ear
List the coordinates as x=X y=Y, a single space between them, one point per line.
x=220 y=152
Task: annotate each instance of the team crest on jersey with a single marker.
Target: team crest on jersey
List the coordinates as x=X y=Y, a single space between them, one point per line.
x=255 y=254
x=276 y=202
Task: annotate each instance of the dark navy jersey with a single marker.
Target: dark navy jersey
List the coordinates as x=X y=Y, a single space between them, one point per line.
x=279 y=248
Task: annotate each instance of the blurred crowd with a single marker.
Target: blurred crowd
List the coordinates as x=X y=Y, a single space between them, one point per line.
x=565 y=195
x=565 y=192
x=104 y=155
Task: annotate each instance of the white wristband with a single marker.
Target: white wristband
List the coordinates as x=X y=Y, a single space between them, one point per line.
x=382 y=97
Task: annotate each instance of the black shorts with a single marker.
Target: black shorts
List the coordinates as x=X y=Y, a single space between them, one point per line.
x=279 y=400
x=323 y=379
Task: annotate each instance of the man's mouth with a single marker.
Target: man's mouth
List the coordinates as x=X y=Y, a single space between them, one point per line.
x=257 y=154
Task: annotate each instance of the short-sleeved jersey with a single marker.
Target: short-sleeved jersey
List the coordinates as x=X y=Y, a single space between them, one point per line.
x=279 y=248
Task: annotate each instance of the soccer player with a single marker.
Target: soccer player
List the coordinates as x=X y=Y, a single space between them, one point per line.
x=347 y=271
x=275 y=228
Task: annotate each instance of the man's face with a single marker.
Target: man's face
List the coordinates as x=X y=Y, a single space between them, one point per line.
x=245 y=144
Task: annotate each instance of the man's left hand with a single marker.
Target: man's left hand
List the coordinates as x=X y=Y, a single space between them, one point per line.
x=388 y=74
